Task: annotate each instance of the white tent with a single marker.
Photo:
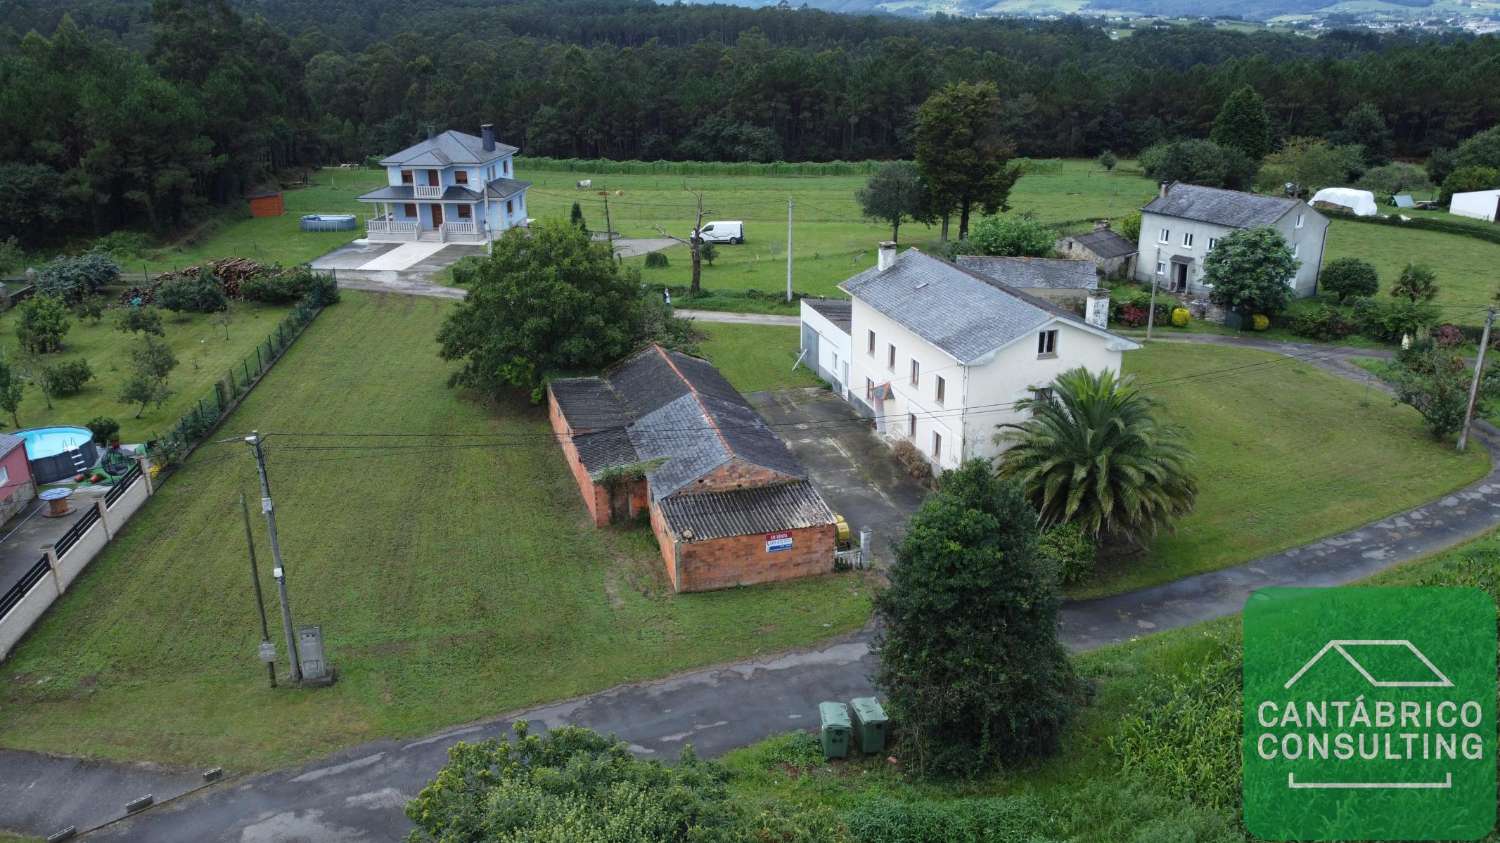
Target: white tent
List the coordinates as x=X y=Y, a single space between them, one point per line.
x=1480 y=204
x=1360 y=202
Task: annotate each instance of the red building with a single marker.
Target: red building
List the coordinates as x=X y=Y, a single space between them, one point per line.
x=16 y=486
x=266 y=204
x=664 y=433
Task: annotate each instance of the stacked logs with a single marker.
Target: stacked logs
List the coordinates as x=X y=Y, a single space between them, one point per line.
x=231 y=273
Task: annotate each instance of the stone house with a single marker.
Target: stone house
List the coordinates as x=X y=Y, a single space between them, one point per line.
x=664 y=434
x=1111 y=252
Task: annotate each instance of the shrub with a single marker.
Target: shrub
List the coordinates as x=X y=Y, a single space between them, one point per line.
x=66 y=378
x=1249 y=271
x=1260 y=322
x=140 y=320
x=1181 y=317
x=123 y=244
x=657 y=260
x=1012 y=236
x=1448 y=336
x=1389 y=321
x=42 y=324
x=1108 y=160
x=194 y=293
x=104 y=428
x=464 y=271
x=1323 y=323
x=1133 y=316
x=1006 y=819
x=1466 y=179
x=1349 y=278
x=913 y=461
x=708 y=252
x=12 y=256
x=1417 y=283
x=70 y=279
x=1395 y=177
x=1070 y=550
x=288 y=287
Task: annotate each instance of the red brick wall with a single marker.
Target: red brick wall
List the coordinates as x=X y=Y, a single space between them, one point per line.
x=595 y=497
x=742 y=560
x=736 y=474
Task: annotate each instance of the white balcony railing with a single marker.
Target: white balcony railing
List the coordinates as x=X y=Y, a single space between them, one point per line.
x=427 y=191
x=460 y=231
x=388 y=229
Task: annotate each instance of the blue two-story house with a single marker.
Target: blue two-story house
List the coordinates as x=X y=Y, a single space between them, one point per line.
x=451 y=188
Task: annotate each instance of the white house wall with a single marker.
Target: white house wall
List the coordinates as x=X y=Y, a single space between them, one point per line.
x=834 y=349
x=1015 y=371
x=1307 y=241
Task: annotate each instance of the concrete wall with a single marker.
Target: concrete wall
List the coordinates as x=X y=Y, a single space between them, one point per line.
x=833 y=349
x=1307 y=241
x=70 y=565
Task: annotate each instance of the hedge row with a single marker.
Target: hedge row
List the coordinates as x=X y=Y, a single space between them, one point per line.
x=1491 y=235
x=735 y=168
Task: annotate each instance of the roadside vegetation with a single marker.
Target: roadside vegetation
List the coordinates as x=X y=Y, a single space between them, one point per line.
x=453 y=579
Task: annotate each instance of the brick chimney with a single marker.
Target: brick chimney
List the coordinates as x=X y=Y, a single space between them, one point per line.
x=487 y=134
x=885 y=255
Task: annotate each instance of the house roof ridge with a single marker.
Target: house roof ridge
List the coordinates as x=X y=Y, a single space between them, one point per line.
x=708 y=415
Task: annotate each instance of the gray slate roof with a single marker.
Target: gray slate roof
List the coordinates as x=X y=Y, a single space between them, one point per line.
x=963 y=313
x=9 y=442
x=667 y=406
x=498 y=189
x=1034 y=273
x=1231 y=208
x=760 y=509
x=1106 y=244
x=837 y=311
x=448 y=148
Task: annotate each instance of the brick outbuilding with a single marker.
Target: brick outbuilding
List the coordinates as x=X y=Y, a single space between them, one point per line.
x=665 y=433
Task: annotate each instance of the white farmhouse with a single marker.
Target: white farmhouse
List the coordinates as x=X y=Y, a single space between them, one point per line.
x=938 y=355
x=1185 y=221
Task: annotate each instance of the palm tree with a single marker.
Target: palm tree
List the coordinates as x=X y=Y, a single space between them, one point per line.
x=1094 y=455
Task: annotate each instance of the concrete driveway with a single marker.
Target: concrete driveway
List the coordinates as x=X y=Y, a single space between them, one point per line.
x=856 y=472
x=351 y=263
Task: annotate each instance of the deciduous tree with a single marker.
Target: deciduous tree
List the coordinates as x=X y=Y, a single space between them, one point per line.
x=42 y=323
x=1349 y=278
x=1251 y=270
x=893 y=195
x=151 y=364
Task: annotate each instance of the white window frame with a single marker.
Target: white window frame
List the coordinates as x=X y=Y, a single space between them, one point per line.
x=1301 y=218
x=870 y=342
x=937 y=446
x=939 y=390
x=1213 y=243
x=1187 y=239
x=1296 y=250
x=1046 y=344
x=916 y=372
x=890 y=356
x=1165 y=236
x=1161 y=267
x=911 y=426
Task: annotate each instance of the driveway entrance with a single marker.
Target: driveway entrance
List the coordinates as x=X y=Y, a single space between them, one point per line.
x=856 y=472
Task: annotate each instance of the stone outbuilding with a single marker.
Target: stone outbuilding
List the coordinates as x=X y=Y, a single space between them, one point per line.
x=1060 y=281
x=1112 y=253
x=665 y=434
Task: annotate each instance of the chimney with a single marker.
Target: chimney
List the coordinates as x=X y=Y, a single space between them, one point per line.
x=487 y=133
x=1163 y=187
x=1096 y=308
x=1101 y=225
x=886 y=255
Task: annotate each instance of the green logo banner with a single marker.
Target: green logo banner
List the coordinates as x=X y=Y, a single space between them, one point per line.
x=1369 y=714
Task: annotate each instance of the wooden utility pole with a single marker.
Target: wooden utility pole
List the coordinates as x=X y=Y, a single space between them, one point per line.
x=260 y=601
x=789 y=249
x=609 y=229
x=1151 y=309
x=1484 y=344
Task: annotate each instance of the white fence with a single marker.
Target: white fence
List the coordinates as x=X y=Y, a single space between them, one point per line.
x=387 y=229
x=460 y=231
x=61 y=563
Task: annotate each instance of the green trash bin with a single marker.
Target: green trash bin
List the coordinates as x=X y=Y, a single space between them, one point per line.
x=869 y=724
x=834 y=727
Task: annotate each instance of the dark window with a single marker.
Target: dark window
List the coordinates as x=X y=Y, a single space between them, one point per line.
x=869 y=390
x=870 y=337
x=1046 y=344
x=939 y=389
x=911 y=425
x=510 y=207
x=406 y=177
x=890 y=357
x=411 y=209
x=465 y=212
x=937 y=445
x=461 y=177
x=916 y=372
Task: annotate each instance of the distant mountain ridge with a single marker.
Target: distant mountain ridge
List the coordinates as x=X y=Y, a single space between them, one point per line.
x=1247 y=9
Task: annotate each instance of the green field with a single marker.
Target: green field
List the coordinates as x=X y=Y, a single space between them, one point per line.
x=454 y=577
x=755 y=357
x=1286 y=454
x=1465 y=266
x=1095 y=790
x=204 y=355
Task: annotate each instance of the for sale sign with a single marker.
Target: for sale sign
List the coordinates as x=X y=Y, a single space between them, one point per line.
x=778 y=541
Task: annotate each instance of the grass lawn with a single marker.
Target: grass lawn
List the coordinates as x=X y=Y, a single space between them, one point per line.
x=1286 y=454
x=204 y=355
x=1465 y=266
x=452 y=581
x=755 y=357
x=1128 y=682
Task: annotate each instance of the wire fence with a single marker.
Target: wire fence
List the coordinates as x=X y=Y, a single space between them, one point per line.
x=199 y=421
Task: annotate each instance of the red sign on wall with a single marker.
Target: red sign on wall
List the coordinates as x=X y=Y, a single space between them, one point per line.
x=778 y=541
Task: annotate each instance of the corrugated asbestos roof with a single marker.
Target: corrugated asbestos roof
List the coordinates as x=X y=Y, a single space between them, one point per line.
x=837 y=311
x=1034 y=273
x=450 y=147
x=1231 y=208
x=760 y=509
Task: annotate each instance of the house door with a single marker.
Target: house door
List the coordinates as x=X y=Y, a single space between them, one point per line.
x=432 y=178
x=437 y=215
x=1179 y=276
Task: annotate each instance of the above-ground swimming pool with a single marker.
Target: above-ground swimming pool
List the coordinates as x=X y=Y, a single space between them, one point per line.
x=329 y=222
x=56 y=453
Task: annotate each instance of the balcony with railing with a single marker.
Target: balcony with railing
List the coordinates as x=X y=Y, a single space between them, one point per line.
x=388 y=230
x=427 y=191
x=461 y=232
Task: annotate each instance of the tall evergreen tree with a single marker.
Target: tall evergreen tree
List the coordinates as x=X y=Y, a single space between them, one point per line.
x=962 y=152
x=1243 y=124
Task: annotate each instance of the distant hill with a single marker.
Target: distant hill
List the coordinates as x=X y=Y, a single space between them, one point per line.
x=1246 y=9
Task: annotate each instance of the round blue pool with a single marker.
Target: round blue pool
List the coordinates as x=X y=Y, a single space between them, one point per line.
x=56 y=453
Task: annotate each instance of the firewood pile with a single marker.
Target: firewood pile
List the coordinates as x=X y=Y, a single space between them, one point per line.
x=231 y=272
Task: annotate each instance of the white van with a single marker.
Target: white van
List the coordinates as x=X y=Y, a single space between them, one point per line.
x=723 y=231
